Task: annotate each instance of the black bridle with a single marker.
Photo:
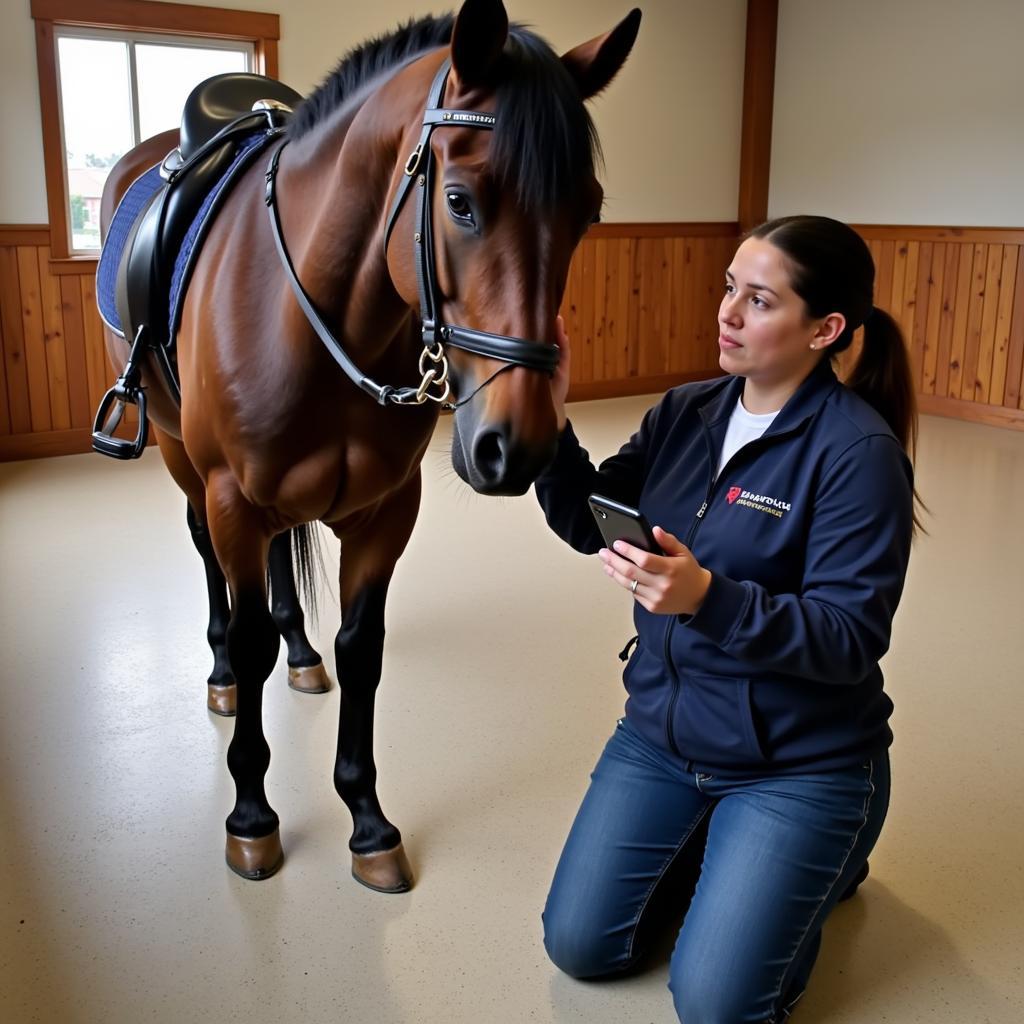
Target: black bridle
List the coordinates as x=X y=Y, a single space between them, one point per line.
x=419 y=170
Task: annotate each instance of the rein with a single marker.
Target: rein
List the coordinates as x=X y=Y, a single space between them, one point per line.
x=433 y=363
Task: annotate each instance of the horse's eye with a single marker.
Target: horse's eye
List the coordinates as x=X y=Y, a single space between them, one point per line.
x=459 y=208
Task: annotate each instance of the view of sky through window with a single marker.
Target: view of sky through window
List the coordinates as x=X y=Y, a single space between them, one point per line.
x=96 y=108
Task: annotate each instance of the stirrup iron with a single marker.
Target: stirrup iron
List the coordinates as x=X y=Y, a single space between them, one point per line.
x=127 y=390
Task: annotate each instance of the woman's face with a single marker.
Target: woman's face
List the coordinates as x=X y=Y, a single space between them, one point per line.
x=765 y=334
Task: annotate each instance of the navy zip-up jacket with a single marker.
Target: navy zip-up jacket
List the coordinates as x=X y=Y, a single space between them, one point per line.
x=807 y=535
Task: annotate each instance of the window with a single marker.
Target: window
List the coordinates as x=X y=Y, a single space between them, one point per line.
x=114 y=72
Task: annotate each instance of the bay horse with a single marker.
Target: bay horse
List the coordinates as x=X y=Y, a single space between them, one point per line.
x=281 y=420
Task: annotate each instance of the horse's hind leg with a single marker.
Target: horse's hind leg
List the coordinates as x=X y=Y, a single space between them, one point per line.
x=242 y=542
x=306 y=672
x=368 y=561
x=220 y=688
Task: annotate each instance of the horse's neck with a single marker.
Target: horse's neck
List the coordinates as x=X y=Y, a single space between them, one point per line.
x=336 y=181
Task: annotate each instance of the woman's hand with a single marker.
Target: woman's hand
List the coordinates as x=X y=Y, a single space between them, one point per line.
x=560 y=381
x=670 y=584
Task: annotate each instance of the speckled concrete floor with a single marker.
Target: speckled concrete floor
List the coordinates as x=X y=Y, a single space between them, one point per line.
x=500 y=685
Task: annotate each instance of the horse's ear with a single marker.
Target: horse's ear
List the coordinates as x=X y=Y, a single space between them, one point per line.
x=593 y=65
x=478 y=38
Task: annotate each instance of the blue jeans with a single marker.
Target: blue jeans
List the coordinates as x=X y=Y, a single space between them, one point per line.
x=779 y=852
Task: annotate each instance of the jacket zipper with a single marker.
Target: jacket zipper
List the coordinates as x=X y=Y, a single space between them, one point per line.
x=668 y=637
x=698 y=517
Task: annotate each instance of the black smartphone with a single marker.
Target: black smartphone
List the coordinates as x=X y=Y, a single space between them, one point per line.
x=621 y=522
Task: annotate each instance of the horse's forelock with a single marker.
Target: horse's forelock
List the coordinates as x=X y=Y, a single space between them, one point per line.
x=545 y=143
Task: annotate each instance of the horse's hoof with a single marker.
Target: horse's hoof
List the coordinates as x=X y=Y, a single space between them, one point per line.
x=312 y=679
x=221 y=699
x=254 y=859
x=386 y=871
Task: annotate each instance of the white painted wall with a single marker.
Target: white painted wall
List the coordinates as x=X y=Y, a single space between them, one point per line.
x=900 y=111
x=669 y=125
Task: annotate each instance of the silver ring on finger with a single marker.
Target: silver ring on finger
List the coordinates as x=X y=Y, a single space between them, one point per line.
x=636 y=583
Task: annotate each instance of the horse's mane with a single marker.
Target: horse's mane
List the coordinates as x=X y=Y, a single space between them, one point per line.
x=544 y=143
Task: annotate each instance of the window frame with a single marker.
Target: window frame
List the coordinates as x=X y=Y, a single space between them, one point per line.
x=260 y=30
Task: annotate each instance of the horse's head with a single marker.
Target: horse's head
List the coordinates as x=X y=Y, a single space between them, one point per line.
x=509 y=199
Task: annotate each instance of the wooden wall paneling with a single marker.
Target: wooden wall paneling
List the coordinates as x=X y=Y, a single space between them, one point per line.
x=907 y=309
x=677 y=341
x=98 y=372
x=633 y=345
x=969 y=369
x=587 y=313
x=706 y=283
x=1004 y=318
x=1013 y=397
x=35 y=345
x=931 y=313
x=606 y=288
x=5 y=402
x=14 y=349
x=53 y=342
x=922 y=294
x=599 y=308
x=990 y=311
x=685 y=358
x=961 y=306
x=74 y=338
x=570 y=315
x=645 y=338
x=883 y=279
x=896 y=282
x=623 y=307
x=698 y=256
x=655 y=290
x=950 y=273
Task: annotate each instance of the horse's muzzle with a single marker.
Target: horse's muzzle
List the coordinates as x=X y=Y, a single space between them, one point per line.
x=492 y=461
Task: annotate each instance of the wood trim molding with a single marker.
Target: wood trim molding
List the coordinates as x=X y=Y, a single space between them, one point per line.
x=758 y=104
x=975 y=412
x=585 y=391
x=24 y=234
x=262 y=30
x=664 y=229
x=149 y=16
x=930 y=233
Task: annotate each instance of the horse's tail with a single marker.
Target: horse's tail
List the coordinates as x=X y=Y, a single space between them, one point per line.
x=308 y=565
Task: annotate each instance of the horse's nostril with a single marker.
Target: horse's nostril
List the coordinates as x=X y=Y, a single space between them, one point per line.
x=489 y=455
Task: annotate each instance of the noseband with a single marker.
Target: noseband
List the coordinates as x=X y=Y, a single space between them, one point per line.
x=419 y=170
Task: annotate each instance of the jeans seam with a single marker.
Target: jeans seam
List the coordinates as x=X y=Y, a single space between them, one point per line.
x=661 y=874
x=774 y=1019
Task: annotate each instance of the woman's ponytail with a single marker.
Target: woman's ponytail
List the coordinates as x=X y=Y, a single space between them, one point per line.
x=883 y=378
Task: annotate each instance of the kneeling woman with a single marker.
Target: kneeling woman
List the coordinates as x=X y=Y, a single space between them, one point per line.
x=756 y=723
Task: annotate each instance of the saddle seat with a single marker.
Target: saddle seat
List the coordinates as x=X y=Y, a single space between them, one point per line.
x=217 y=118
x=160 y=223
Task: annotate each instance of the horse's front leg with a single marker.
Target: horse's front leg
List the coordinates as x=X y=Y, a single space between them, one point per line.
x=306 y=672
x=220 y=687
x=242 y=541
x=368 y=561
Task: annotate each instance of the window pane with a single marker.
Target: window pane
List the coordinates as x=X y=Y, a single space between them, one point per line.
x=167 y=74
x=96 y=107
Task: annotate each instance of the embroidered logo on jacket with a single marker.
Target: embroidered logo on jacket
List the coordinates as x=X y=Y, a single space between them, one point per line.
x=761 y=502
